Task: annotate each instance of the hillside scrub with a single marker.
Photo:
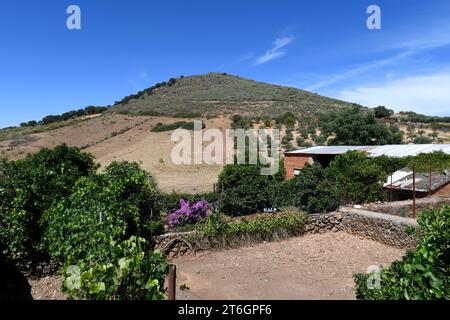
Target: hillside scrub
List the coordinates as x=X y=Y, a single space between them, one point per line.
x=423 y=273
x=160 y=127
x=216 y=93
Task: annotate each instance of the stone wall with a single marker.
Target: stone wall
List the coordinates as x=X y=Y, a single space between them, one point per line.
x=404 y=208
x=175 y=244
x=321 y=223
x=380 y=227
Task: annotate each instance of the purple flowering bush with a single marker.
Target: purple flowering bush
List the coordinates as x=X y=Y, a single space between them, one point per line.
x=189 y=213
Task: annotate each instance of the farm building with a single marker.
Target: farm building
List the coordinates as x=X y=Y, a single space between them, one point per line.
x=401 y=183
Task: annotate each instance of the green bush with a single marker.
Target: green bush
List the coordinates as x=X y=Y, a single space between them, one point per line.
x=245 y=190
x=219 y=230
x=361 y=178
x=116 y=205
x=129 y=272
x=30 y=186
x=137 y=187
x=99 y=230
x=173 y=126
x=424 y=273
x=313 y=191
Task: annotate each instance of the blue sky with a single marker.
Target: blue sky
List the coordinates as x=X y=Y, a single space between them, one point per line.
x=125 y=46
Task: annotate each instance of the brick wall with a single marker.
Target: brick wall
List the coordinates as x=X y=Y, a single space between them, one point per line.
x=295 y=161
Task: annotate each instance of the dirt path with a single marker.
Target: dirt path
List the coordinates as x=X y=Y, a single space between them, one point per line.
x=318 y=266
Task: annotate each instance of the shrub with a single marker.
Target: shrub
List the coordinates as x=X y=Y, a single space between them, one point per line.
x=99 y=230
x=173 y=126
x=422 y=140
x=188 y=213
x=361 y=178
x=171 y=201
x=121 y=203
x=221 y=231
x=423 y=273
x=245 y=190
x=129 y=272
x=29 y=187
x=313 y=191
x=82 y=225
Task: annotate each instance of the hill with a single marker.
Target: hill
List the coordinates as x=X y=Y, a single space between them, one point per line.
x=215 y=94
x=128 y=130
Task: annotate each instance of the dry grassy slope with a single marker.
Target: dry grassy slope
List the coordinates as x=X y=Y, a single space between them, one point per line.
x=118 y=137
x=113 y=136
x=217 y=93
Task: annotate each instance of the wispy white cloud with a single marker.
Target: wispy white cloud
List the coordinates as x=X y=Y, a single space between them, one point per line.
x=246 y=57
x=276 y=51
x=427 y=94
x=434 y=36
x=358 y=70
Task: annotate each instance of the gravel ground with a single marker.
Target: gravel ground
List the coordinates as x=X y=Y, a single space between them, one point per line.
x=47 y=288
x=316 y=266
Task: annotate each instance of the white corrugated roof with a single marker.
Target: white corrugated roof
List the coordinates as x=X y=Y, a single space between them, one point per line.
x=329 y=149
x=398 y=150
x=405 y=150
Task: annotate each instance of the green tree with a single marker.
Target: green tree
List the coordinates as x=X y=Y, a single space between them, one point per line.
x=361 y=178
x=383 y=112
x=422 y=140
x=313 y=191
x=411 y=132
x=355 y=126
x=29 y=187
x=245 y=190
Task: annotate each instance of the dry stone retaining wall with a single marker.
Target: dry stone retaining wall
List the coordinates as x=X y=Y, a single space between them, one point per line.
x=404 y=208
x=380 y=227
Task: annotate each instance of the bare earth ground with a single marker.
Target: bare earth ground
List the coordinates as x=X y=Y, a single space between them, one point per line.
x=47 y=288
x=318 y=266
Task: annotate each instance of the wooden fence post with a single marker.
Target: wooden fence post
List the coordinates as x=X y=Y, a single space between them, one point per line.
x=172 y=282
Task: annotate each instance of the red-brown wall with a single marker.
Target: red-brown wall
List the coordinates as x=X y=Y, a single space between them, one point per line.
x=294 y=161
x=445 y=191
